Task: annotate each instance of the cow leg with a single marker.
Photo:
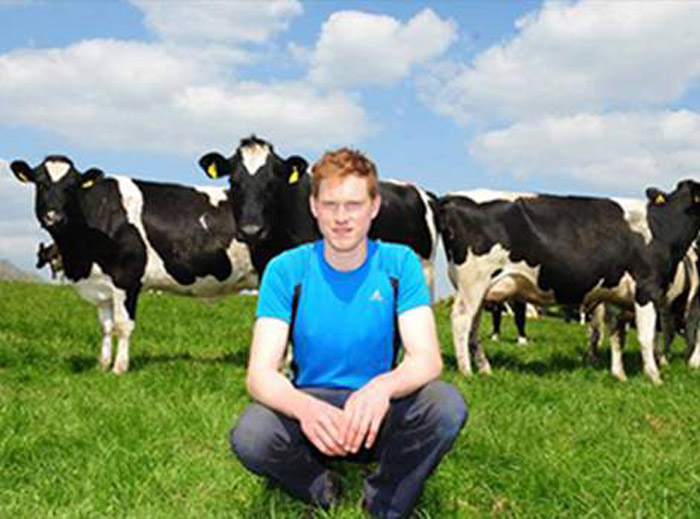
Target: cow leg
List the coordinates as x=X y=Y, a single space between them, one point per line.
x=476 y=348
x=666 y=336
x=461 y=327
x=519 y=310
x=105 y=315
x=645 y=317
x=429 y=274
x=496 y=312
x=618 y=331
x=692 y=333
x=596 y=333
x=124 y=322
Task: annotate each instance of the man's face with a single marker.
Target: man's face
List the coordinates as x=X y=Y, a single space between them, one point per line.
x=344 y=211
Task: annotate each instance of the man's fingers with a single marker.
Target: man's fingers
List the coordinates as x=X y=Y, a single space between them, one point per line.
x=372 y=432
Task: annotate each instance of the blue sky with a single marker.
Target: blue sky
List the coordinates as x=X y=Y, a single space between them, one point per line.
x=597 y=98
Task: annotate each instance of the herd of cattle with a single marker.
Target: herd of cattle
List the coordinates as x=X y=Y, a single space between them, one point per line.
x=116 y=236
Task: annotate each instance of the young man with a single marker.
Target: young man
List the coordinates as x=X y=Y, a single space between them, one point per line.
x=344 y=301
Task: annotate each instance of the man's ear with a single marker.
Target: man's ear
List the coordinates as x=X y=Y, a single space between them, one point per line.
x=295 y=168
x=92 y=175
x=312 y=205
x=656 y=196
x=22 y=171
x=376 y=205
x=214 y=165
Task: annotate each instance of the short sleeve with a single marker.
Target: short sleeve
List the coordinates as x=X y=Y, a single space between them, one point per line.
x=275 y=294
x=413 y=290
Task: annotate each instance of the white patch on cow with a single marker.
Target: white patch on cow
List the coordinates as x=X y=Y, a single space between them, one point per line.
x=489 y=195
x=254 y=157
x=203 y=222
x=57 y=169
x=217 y=195
x=635 y=211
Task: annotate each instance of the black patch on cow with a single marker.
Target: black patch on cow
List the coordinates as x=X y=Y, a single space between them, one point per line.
x=190 y=235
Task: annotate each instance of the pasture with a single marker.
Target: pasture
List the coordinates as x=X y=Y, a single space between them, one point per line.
x=548 y=435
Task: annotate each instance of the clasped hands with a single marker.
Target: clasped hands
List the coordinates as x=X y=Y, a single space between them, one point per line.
x=340 y=432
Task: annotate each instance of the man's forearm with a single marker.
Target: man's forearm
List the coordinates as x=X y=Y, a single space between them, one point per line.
x=410 y=375
x=274 y=390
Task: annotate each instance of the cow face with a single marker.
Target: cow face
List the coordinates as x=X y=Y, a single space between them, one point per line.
x=686 y=195
x=258 y=178
x=56 y=183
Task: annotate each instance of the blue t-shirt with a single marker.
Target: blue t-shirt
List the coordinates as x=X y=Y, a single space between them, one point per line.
x=344 y=326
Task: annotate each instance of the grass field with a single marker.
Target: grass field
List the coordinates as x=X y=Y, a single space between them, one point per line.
x=548 y=436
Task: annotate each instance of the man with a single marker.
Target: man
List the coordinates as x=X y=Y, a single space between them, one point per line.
x=342 y=301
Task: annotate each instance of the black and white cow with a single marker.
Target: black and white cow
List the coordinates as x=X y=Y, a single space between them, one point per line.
x=270 y=197
x=563 y=249
x=683 y=299
x=117 y=236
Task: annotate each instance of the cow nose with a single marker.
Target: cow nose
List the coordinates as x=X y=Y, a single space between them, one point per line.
x=252 y=232
x=52 y=218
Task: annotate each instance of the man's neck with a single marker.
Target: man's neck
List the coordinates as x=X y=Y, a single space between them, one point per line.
x=345 y=260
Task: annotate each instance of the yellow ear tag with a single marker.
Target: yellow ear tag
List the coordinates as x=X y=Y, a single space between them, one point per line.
x=697 y=199
x=88 y=184
x=23 y=177
x=660 y=199
x=211 y=171
x=294 y=177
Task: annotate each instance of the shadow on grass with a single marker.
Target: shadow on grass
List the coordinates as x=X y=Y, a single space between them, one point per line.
x=557 y=363
x=81 y=364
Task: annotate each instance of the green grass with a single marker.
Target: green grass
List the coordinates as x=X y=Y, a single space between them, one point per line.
x=548 y=435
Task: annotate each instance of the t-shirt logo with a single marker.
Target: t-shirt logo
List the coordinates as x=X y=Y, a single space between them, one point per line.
x=376 y=296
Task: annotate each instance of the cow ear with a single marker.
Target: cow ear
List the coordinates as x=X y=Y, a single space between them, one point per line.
x=22 y=171
x=92 y=175
x=214 y=165
x=656 y=196
x=295 y=167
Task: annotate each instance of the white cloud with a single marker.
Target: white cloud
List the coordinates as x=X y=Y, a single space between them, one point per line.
x=218 y=21
x=618 y=151
x=567 y=58
x=20 y=233
x=129 y=95
x=357 y=48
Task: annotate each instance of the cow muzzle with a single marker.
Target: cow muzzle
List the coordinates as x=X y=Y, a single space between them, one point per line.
x=252 y=233
x=52 y=219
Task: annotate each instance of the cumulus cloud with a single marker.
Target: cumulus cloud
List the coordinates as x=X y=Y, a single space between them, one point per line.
x=132 y=95
x=20 y=233
x=217 y=21
x=568 y=58
x=357 y=48
x=617 y=151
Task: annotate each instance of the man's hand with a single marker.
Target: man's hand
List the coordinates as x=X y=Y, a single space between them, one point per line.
x=365 y=410
x=324 y=425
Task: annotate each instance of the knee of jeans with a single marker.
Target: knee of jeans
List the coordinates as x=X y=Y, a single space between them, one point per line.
x=253 y=437
x=449 y=410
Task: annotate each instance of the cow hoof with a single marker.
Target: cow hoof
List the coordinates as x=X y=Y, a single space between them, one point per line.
x=663 y=361
x=120 y=367
x=694 y=362
x=522 y=341
x=495 y=337
x=104 y=363
x=620 y=376
x=485 y=369
x=655 y=378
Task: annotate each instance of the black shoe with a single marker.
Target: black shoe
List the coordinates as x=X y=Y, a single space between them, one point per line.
x=332 y=491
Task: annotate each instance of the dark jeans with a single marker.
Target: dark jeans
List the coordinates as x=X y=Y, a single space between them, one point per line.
x=416 y=433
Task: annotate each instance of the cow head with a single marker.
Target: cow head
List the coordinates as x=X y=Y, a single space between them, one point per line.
x=56 y=182
x=686 y=195
x=257 y=177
